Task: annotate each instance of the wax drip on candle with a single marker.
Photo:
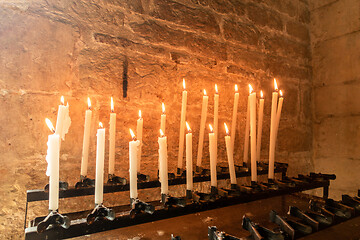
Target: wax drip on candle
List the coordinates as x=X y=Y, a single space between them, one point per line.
x=250 y=89
x=132 y=134
x=163 y=108
x=216 y=89
x=188 y=127
x=112 y=105
x=236 y=88
x=261 y=94
x=161 y=133
x=50 y=125
x=184 y=85
x=62 y=100
x=226 y=129
x=211 y=128
x=275 y=85
x=89 y=103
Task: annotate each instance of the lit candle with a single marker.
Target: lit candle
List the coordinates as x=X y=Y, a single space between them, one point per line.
x=189 y=164
x=230 y=156
x=212 y=147
x=273 y=131
x=139 y=132
x=216 y=118
x=86 y=140
x=278 y=113
x=163 y=118
x=100 y=155
x=182 y=126
x=247 y=133
x=133 y=155
x=52 y=158
x=63 y=120
x=202 y=128
x=260 y=124
x=163 y=163
x=112 y=131
x=234 y=117
x=252 y=98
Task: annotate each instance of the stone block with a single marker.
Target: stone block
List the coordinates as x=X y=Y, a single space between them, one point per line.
x=264 y=17
x=298 y=30
x=241 y=32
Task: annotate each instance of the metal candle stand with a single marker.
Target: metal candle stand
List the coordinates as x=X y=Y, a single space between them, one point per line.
x=138 y=206
x=85 y=182
x=143 y=178
x=54 y=219
x=100 y=213
x=62 y=186
x=113 y=179
x=169 y=201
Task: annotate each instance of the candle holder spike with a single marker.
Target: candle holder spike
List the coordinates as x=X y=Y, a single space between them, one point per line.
x=113 y=179
x=85 y=182
x=54 y=219
x=99 y=213
x=62 y=186
x=169 y=201
x=139 y=206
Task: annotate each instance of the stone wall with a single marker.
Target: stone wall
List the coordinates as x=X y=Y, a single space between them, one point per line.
x=85 y=48
x=335 y=38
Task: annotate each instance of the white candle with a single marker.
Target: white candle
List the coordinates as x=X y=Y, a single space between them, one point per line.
x=278 y=113
x=112 y=131
x=86 y=140
x=202 y=128
x=133 y=155
x=139 y=133
x=234 y=117
x=212 y=147
x=253 y=134
x=163 y=163
x=52 y=157
x=260 y=124
x=182 y=126
x=230 y=156
x=63 y=120
x=247 y=133
x=100 y=155
x=273 y=131
x=216 y=119
x=189 y=164
x=163 y=119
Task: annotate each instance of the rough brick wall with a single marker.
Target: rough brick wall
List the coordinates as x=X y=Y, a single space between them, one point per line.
x=87 y=48
x=335 y=40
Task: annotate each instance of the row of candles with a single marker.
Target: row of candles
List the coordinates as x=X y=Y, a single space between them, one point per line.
x=251 y=133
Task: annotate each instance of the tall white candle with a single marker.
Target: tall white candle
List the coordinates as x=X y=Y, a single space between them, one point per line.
x=216 y=119
x=247 y=133
x=163 y=166
x=202 y=128
x=139 y=133
x=182 y=126
x=234 y=117
x=63 y=120
x=253 y=134
x=260 y=124
x=52 y=157
x=86 y=140
x=163 y=118
x=273 y=131
x=112 y=131
x=212 y=147
x=230 y=156
x=189 y=163
x=278 y=113
x=100 y=155
x=133 y=155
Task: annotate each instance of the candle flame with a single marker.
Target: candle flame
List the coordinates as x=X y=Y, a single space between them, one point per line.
x=62 y=100
x=275 y=85
x=139 y=113
x=261 y=94
x=100 y=125
x=216 y=89
x=204 y=92
x=112 y=104
x=50 y=125
x=89 y=103
x=161 y=133
x=226 y=129
x=281 y=93
x=236 y=88
x=188 y=127
x=184 y=85
x=132 y=134
x=250 y=89
x=163 y=108
x=211 y=128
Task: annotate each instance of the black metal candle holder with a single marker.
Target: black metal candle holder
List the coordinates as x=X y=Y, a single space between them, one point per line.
x=113 y=179
x=54 y=219
x=85 y=182
x=259 y=232
x=100 y=213
x=168 y=201
x=62 y=186
x=143 y=178
x=138 y=206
